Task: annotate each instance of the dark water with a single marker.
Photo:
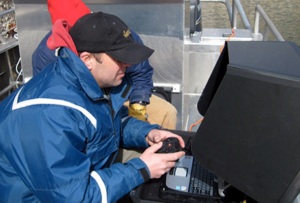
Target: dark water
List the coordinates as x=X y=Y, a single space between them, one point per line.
x=285 y=15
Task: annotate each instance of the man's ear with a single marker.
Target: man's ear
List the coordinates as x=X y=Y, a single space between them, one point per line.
x=87 y=59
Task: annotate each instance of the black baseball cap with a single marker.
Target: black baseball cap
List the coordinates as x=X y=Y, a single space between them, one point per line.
x=105 y=33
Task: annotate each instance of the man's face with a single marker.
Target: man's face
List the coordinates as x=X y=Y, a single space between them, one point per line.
x=107 y=71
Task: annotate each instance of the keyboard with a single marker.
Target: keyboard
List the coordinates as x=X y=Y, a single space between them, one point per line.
x=201 y=180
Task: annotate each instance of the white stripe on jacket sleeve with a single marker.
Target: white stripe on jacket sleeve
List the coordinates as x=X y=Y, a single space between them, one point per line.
x=18 y=105
x=101 y=185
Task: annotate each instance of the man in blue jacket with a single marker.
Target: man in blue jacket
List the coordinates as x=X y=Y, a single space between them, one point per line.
x=61 y=131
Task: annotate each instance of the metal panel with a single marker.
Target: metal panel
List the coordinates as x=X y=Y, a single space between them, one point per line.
x=33 y=22
x=199 y=62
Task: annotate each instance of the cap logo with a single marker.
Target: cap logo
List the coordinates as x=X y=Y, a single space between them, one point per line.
x=127 y=33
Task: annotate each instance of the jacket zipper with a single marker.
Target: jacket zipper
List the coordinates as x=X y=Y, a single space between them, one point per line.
x=112 y=113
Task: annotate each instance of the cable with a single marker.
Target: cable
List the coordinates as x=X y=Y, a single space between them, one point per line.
x=18 y=72
x=16 y=68
x=195 y=124
x=232 y=35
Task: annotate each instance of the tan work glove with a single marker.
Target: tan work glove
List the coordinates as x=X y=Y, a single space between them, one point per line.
x=138 y=111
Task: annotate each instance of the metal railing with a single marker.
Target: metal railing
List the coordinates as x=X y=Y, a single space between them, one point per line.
x=232 y=12
x=238 y=8
x=10 y=87
x=269 y=26
x=13 y=84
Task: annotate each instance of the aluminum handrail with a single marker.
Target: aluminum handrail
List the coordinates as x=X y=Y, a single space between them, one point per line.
x=232 y=12
x=269 y=25
x=2 y=13
x=237 y=6
x=10 y=87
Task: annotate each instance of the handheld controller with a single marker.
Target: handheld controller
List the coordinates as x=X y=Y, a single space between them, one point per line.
x=170 y=145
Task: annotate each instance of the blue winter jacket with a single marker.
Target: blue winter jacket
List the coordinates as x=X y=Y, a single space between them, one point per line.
x=141 y=74
x=60 y=134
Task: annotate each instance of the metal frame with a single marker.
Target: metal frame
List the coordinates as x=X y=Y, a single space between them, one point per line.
x=268 y=27
x=5 y=46
x=2 y=39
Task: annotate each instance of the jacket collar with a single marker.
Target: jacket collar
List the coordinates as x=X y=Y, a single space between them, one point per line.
x=84 y=79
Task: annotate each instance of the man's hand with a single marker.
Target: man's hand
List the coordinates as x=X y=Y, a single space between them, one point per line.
x=156 y=136
x=159 y=164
